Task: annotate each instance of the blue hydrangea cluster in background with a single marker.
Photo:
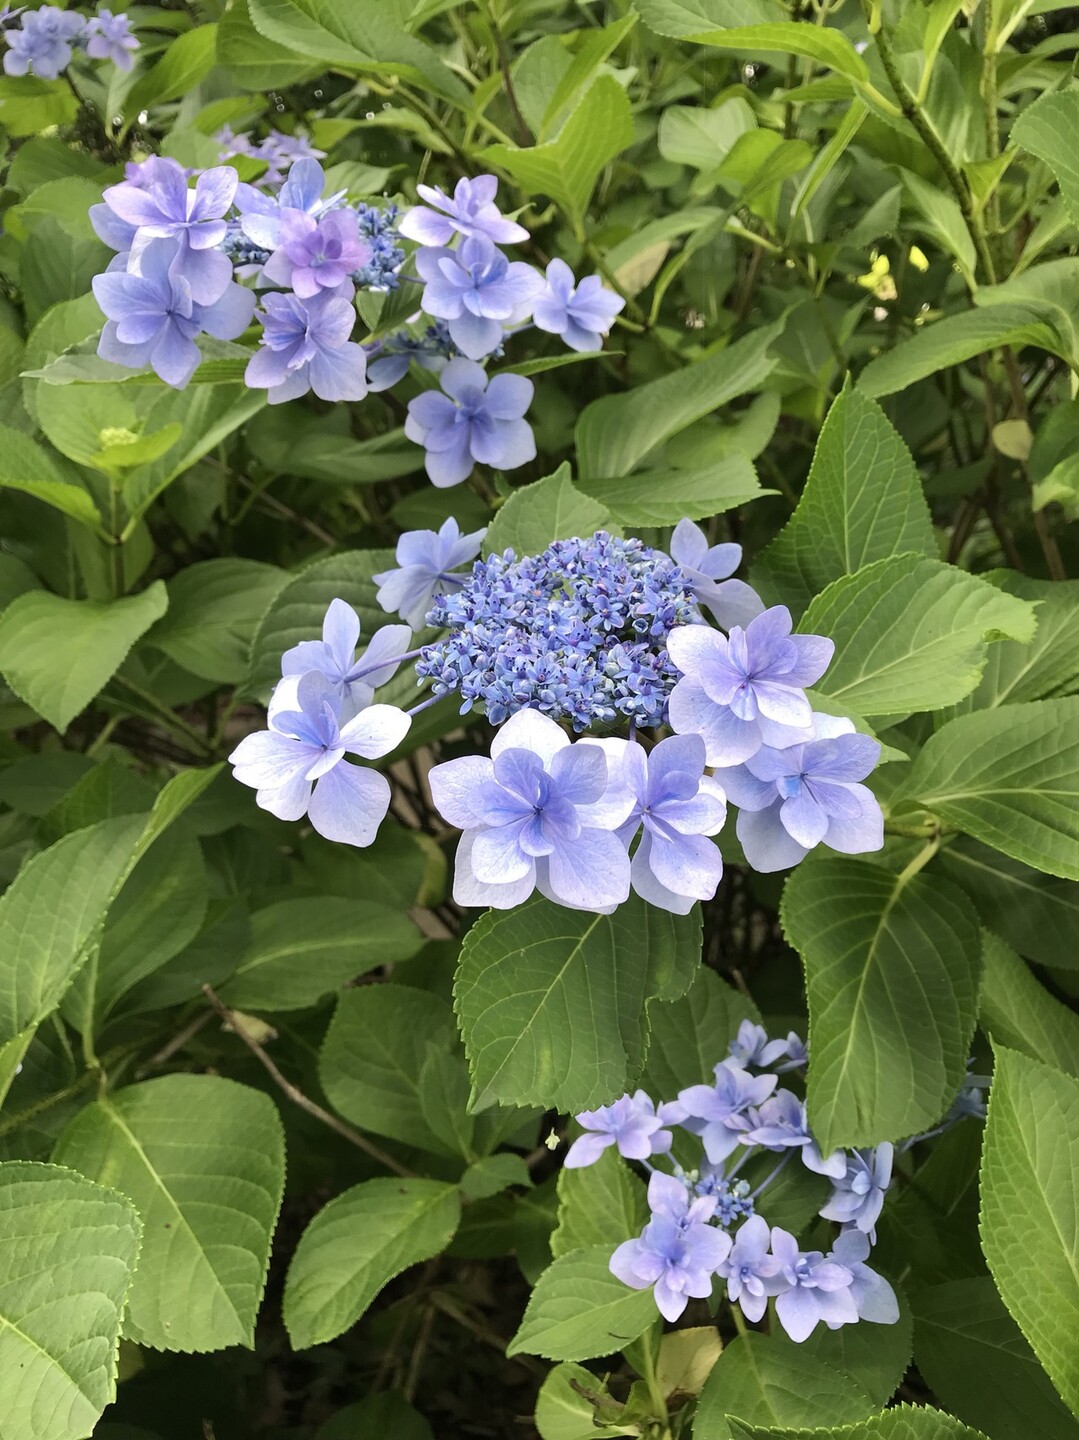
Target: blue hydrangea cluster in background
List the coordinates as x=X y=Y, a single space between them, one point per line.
x=304 y=253
x=709 y=1220
x=578 y=633
x=43 y=42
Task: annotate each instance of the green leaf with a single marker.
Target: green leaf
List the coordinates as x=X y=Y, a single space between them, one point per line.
x=768 y=1382
x=387 y=1414
x=579 y=1310
x=360 y=38
x=691 y=1034
x=702 y=138
x=29 y=106
x=563 y=1412
x=974 y=1357
x=910 y=634
x=876 y=1356
x=214 y=607
x=443 y=1088
x=372 y=1056
x=663 y=497
x=300 y=950
x=1049 y=129
x=49 y=915
x=682 y=18
x=904 y=1423
x=1030 y=1165
x=593 y=48
x=533 y=516
x=1046 y=667
x=493 y=1174
x=203 y=1159
x=600 y=1204
x=937 y=214
x=825 y=46
x=57 y=654
x=617 y=432
x=892 y=981
x=254 y=61
x=1037 y=914
x=297 y=613
x=29 y=467
x=567 y=168
x=70 y=1248
x=960 y=337
x=187 y=61
x=862 y=502
x=1017 y=1010
x=356 y=1245
x=551 y=1002
x=1009 y=777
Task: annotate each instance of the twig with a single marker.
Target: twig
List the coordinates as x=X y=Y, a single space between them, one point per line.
x=524 y=135
x=297 y=1096
x=176 y=1043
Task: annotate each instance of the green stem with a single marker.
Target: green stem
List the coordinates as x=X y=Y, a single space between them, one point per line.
x=168 y=718
x=923 y=857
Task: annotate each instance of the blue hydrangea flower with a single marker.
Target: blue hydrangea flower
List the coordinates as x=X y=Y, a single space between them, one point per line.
x=781 y=1123
x=582 y=314
x=316 y=255
x=752 y=1046
x=731 y=602
x=277 y=149
x=814 y=1288
x=746 y=690
x=718 y=1113
x=470 y=211
x=161 y=207
x=261 y=214
x=109 y=37
x=298 y=765
x=533 y=815
x=578 y=633
x=632 y=1124
x=874 y=1299
x=675 y=806
x=153 y=319
x=472 y=420
x=477 y=291
x=676 y=1261
x=671 y=1196
x=858 y=1197
x=377 y=227
x=44 y=44
x=749 y=1269
x=794 y=798
x=354 y=678
x=389 y=358
x=305 y=346
x=426 y=560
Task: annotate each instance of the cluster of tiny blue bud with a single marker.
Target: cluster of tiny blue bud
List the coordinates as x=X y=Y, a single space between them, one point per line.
x=578 y=633
x=733 y=1199
x=377 y=228
x=240 y=250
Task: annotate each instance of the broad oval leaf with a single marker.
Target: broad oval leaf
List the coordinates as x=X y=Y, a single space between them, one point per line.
x=356 y=1245
x=551 y=1001
x=70 y=1248
x=552 y=509
x=892 y=979
x=1018 y=1011
x=1010 y=778
x=203 y=1159
x=579 y=1310
x=600 y=1204
x=906 y=1422
x=1030 y=1200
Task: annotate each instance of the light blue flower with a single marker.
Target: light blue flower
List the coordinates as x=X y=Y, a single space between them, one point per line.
x=581 y=314
x=746 y=690
x=477 y=291
x=809 y=1287
x=719 y=1113
x=749 y=1269
x=858 y=1197
x=153 y=319
x=44 y=44
x=731 y=602
x=752 y=1046
x=472 y=420
x=470 y=211
x=632 y=1124
x=671 y=1196
x=305 y=346
x=316 y=255
x=533 y=815
x=874 y=1299
x=781 y=1123
x=354 y=678
x=676 y=1261
x=805 y=794
x=109 y=37
x=675 y=806
x=298 y=765
x=426 y=560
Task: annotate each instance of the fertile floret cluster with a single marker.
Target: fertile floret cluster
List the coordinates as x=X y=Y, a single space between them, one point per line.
x=578 y=633
x=706 y=1220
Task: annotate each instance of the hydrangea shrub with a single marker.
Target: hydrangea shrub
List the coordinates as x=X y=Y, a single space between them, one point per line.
x=540 y=698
